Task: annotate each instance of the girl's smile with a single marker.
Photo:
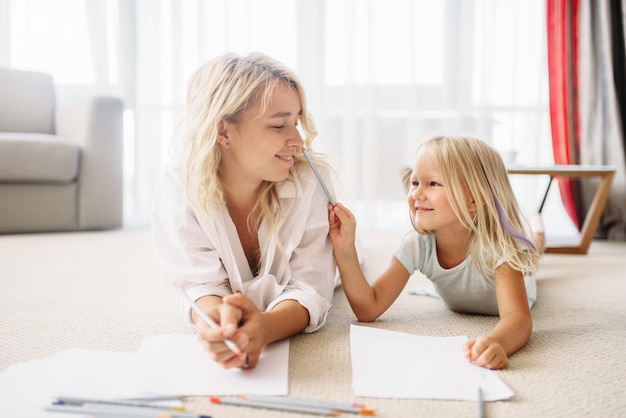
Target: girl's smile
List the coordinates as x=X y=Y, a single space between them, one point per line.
x=420 y=209
x=430 y=208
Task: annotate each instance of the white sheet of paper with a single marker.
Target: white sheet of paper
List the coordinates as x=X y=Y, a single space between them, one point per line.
x=25 y=388
x=389 y=364
x=177 y=364
x=165 y=364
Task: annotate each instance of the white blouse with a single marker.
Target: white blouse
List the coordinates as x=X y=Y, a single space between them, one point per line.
x=204 y=255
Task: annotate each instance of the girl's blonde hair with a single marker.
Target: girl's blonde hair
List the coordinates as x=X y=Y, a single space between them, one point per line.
x=498 y=230
x=221 y=90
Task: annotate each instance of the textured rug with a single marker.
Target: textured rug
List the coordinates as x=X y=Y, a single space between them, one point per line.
x=103 y=291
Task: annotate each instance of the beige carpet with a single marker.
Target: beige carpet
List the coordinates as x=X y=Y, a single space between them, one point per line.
x=102 y=290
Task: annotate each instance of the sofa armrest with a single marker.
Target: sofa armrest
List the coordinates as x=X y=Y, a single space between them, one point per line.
x=96 y=125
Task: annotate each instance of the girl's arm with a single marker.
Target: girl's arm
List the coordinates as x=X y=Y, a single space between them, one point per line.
x=367 y=301
x=515 y=325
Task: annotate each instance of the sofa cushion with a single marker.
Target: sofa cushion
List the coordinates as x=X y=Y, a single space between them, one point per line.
x=36 y=158
x=27 y=101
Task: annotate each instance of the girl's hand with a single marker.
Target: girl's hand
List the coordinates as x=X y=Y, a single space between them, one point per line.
x=485 y=352
x=342 y=227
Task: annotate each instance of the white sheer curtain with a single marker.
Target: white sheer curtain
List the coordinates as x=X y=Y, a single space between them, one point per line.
x=381 y=75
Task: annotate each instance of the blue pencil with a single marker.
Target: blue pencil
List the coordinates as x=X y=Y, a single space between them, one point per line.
x=319 y=177
x=68 y=400
x=481 y=403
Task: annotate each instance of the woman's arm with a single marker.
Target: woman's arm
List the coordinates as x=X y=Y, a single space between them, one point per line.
x=515 y=325
x=367 y=301
x=286 y=319
x=187 y=256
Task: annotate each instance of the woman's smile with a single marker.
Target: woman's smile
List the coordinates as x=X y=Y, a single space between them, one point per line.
x=287 y=159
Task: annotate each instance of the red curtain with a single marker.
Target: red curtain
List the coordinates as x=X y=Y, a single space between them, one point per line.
x=562 y=37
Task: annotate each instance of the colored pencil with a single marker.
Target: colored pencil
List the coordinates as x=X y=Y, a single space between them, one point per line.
x=336 y=406
x=481 y=403
x=272 y=405
x=67 y=400
x=157 y=398
x=319 y=177
x=120 y=411
x=207 y=319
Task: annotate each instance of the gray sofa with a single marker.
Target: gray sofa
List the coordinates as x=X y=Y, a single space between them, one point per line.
x=61 y=167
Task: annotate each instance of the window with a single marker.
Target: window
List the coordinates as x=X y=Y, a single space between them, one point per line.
x=380 y=75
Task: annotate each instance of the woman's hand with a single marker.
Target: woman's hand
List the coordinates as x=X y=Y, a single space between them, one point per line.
x=251 y=330
x=485 y=352
x=250 y=335
x=213 y=339
x=241 y=322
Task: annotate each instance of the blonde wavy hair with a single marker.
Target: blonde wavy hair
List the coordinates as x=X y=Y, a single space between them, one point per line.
x=498 y=229
x=220 y=90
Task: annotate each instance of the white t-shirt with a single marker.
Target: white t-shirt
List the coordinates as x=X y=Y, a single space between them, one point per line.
x=204 y=254
x=462 y=287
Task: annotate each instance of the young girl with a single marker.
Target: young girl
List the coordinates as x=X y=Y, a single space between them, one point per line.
x=240 y=222
x=469 y=240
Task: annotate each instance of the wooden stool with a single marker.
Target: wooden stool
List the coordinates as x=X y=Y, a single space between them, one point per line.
x=592 y=218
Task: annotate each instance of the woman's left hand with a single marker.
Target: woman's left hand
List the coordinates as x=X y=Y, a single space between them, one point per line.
x=251 y=331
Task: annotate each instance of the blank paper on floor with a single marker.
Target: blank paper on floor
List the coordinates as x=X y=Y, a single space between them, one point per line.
x=177 y=364
x=165 y=364
x=389 y=364
x=26 y=388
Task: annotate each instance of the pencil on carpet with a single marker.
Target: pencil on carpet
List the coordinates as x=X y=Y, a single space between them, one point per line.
x=119 y=410
x=272 y=405
x=68 y=400
x=336 y=406
x=481 y=403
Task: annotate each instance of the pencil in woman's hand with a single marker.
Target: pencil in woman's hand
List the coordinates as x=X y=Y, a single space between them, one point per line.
x=207 y=319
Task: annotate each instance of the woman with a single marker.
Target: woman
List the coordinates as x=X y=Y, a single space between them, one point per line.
x=240 y=222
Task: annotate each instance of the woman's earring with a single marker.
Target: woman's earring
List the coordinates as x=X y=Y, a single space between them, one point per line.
x=227 y=144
